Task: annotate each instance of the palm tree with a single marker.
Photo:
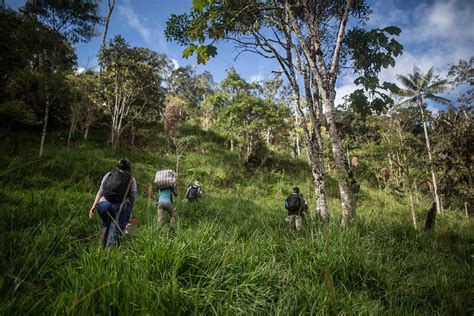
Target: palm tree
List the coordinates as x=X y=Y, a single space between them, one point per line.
x=417 y=87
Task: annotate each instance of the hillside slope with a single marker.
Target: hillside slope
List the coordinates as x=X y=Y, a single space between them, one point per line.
x=232 y=252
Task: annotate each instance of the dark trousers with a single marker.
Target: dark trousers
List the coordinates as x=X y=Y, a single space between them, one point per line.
x=112 y=221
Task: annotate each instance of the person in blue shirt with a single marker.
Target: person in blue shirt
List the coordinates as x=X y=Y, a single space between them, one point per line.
x=165 y=204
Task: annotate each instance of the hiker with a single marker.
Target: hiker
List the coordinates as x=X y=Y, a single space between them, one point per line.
x=194 y=192
x=114 y=202
x=166 y=185
x=296 y=206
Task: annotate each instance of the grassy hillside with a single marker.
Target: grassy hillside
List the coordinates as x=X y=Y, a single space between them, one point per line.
x=232 y=253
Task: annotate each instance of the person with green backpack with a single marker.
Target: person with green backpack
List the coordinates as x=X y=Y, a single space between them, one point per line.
x=114 y=202
x=296 y=206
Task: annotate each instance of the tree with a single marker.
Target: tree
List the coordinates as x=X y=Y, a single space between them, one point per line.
x=54 y=25
x=454 y=136
x=305 y=37
x=402 y=144
x=173 y=115
x=72 y=20
x=48 y=59
x=85 y=106
x=130 y=81
x=191 y=88
x=417 y=87
x=110 y=9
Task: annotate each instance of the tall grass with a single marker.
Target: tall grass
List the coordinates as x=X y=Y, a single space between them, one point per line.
x=232 y=252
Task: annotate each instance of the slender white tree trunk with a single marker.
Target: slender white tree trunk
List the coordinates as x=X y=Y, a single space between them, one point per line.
x=45 y=122
x=430 y=157
x=71 y=130
x=412 y=206
x=348 y=208
x=86 y=132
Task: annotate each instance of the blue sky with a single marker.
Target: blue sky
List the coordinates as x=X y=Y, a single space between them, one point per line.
x=434 y=33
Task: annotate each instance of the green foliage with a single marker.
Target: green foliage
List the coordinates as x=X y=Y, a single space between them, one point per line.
x=16 y=112
x=131 y=83
x=73 y=20
x=371 y=51
x=232 y=252
x=418 y=86
x=189 y=86
x=453 y=133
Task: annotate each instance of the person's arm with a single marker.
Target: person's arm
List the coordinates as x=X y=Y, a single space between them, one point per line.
x=175 y=190
x=99 y=194
x=92 y=211
x=158 y=192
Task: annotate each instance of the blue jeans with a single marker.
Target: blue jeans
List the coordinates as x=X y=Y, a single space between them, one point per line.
x=111 y=215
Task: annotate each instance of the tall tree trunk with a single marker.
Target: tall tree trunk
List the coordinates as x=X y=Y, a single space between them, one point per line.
x=297 y=135
x=45 y=121
x=298 y=148
x=326 y=81
x=71 y=130
x=132 y=131
x=86 y=132
x=412 y=205
x=110 y=5
x=430 y=156
x=348 y=208
x=317 y=157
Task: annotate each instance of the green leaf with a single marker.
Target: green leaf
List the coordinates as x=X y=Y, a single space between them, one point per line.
x=188 y=51
x=211 y=50
x=199 y=5
x=392 y=30
x=390 y=87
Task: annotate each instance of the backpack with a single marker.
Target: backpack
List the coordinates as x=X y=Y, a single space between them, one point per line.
x=193 y=193
x=165 y=179
x=293 y=203
x=116 y=186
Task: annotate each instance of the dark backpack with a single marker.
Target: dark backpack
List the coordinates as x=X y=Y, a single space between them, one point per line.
x=193 y=193
x=116 y=186
x=293 y=203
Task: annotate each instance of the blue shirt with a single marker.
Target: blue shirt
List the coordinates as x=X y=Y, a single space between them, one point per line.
x=165 y=196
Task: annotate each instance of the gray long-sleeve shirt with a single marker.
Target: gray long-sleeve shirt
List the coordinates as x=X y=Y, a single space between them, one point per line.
x=131 y=196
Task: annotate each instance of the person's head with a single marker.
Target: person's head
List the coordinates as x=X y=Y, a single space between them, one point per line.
x=196 y=183
x=296 y=190
x=124 y=165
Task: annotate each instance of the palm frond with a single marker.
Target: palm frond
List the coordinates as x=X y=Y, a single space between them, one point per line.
x=438 y=99
x=408 y=101
x=406 y=93
x=426 y=79
x=437 y=86
x=407 y=82
x=416 y=76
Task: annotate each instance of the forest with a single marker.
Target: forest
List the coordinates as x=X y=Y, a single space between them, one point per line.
x=387 y=173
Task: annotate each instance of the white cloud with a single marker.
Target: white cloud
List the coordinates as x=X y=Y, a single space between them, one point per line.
x=80 y=70
x=134 y=21
x=257 y=77
x=175 y=63
x=436 y=34
x=151 y=35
